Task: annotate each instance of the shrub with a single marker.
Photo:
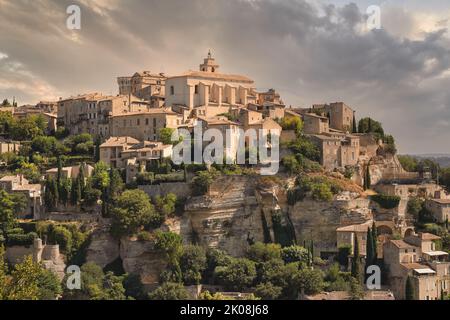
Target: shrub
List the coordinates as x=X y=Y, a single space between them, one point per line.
x=322 y=192
x=385 y=201
x=21 y=239
x=144 y=236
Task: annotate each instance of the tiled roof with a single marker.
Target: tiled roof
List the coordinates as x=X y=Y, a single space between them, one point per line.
x=401 y=244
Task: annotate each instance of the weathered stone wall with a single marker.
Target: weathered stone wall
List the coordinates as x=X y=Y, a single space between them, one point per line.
x=180 y=189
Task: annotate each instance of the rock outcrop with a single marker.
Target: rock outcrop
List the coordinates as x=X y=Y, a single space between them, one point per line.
x=103 y=248
x=141 y=257
x=229 y=218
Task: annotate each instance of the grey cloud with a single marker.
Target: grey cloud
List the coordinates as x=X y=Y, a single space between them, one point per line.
x=310 y=53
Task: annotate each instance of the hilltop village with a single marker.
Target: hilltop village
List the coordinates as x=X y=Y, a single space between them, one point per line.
x=88 y=181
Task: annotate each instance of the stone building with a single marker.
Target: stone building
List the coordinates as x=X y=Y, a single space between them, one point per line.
x=46 y=254
x=9 y=147
x=117 y=151
x=70 y=172
x=92 y=113
x=440 y=208
x=337 y=150
x=32 y=192
x=315 y=124
x=144 y=125
x=269 y=96
x=207 y=91
x=144 y=85
x=340 y=115
x=416 y=257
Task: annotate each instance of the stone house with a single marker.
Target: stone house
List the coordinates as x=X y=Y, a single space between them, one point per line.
x=119 y=151
x=70 y=172
x=346 y=236
x=315 y=124
x=144 y=125
x=440 y=208
x=144 y=85
x=340 y=115
x=416 y=257
x=32 y=192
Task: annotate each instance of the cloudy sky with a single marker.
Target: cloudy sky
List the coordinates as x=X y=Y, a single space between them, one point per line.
x=310 y=51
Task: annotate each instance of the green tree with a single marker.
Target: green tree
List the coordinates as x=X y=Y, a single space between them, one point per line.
x=295 y=254
x=409 y=289
x=268 y=291
x=375 y=243
x=24 y=283
x=369 y=250
x=310 y=281
x=356 y=262
x=170 y=291
x=171 y=244
x=192 y=264
x=203 y=180
x=133 y=210
x=356 y=291
x=49 y=285
x=261 y=252
x=64 y=191
x=75 y=192
x=165 y=136
x=354 y=129
x=10 y=206
x=50 y=194
x=238 y=275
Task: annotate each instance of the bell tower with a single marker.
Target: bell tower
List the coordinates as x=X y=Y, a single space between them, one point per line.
x=209 y=64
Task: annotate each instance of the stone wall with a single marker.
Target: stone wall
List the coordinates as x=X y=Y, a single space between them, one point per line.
x=180 y=189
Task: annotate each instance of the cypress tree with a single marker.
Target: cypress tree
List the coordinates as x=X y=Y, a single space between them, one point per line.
x=409 y=289
x=81 y=178
x=75 y=192
x=367 y=182
x=312 y=249
x=59 y=174
x=354 y=129
x=356 y=263
x=369 y=251
x=375 y=243
x=369 y=125
x=97 y=150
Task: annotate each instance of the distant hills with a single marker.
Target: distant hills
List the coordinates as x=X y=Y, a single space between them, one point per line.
x=442 y=158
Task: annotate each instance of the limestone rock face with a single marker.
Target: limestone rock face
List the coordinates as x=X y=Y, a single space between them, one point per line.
x=238 y=209
x=229 y=218
x=318 y=221
x=141 y=257
x=103 y=249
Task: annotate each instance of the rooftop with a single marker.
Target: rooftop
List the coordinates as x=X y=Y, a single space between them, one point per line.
x=401 y=244
x=119 y=141
x=215 y=76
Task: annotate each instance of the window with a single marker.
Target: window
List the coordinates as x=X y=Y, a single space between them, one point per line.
x=146 y=122
x=138 y=122
x=196 y=89
x=154 y=122
x=172 y=90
